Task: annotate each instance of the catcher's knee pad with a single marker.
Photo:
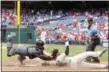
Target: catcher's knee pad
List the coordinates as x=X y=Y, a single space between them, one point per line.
x=8 y=50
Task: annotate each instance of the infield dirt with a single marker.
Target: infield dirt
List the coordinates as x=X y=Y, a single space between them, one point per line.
x=36 y=65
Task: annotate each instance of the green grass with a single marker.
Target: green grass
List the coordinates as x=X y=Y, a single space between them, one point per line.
x=74 y=50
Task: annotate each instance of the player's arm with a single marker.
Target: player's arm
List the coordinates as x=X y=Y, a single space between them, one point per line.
x=61 y=58
x=67 y=48
x=45 y=57
x=47 y=53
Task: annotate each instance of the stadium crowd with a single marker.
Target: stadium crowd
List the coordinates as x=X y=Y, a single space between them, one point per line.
x=59 y=26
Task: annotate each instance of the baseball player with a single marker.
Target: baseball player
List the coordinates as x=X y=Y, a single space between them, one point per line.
x=22 y=51
x=63 y=58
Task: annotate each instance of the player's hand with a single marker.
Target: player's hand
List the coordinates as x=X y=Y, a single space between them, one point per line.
x=67 y=43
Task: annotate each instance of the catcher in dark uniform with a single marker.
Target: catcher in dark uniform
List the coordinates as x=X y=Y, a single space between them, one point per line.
x=29 y=51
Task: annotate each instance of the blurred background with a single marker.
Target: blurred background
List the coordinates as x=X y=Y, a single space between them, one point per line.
x=60 y=20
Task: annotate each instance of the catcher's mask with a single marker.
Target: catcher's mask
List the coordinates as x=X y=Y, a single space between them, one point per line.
x=39 y=43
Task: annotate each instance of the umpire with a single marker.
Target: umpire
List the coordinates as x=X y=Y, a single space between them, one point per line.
x=92 y=40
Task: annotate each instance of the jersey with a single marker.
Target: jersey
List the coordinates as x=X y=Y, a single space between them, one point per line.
x=62 y=59
x=93 y=31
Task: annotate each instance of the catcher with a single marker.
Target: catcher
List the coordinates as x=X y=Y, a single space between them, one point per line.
x=29 y=51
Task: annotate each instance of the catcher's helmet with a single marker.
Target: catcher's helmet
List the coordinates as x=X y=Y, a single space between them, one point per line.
x=39 y=43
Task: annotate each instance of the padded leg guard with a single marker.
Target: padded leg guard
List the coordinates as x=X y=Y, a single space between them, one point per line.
x=21 y=59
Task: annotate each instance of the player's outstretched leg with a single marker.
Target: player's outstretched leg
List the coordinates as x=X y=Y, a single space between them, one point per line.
x=95 y=59
x=9 y=43
x=8 y=49
x=21 y=59
x=94 y=65
x=80 y=57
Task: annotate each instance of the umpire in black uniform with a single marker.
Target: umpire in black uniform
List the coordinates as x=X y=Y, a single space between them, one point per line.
x=92 y=40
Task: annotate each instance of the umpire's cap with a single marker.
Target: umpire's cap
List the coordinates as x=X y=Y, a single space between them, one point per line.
x=39 y=43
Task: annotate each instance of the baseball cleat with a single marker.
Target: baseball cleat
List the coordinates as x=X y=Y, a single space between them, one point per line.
x=8 y=55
